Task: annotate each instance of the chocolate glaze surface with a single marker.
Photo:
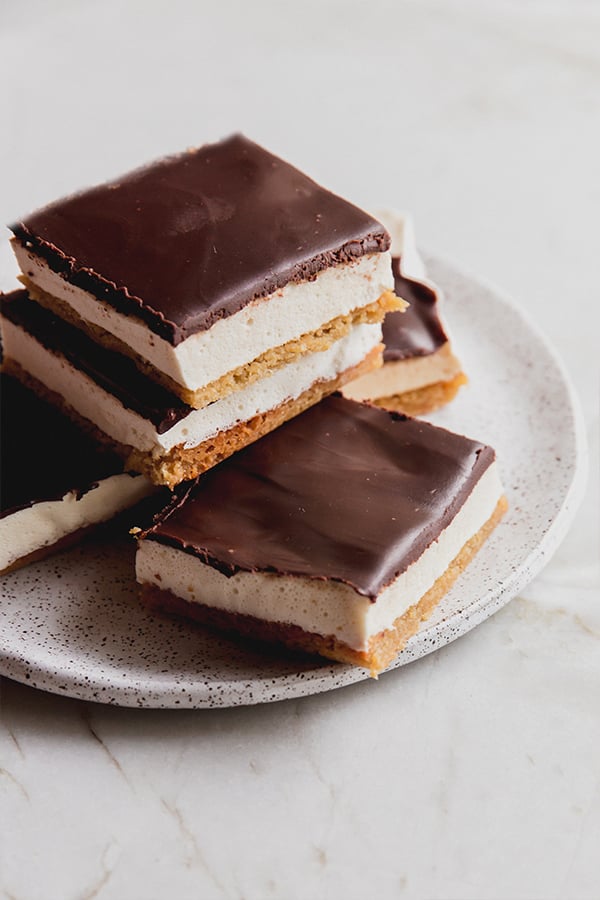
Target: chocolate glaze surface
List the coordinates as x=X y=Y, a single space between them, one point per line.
x=418 y=330
x=43 y=454
x=345 y=492
x=194 y=237
x=112 y=371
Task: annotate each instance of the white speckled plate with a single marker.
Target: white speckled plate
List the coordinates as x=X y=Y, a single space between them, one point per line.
x=73 y=625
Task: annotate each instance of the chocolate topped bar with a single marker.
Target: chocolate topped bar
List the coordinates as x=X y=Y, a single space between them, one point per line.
x=195 y=237
x=344 y=492
x=44 y=455
x=154 y=431
x=418 y=330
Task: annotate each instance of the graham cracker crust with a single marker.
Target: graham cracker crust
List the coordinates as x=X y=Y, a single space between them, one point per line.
x=415 y=385
x=182 y=464
x=383 y=647
x=243 y=375
x=423 y=400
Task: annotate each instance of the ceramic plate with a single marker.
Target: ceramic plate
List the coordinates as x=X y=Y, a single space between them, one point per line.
x=73 y=625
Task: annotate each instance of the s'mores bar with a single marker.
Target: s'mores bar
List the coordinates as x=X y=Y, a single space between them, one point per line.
x=420 y=371
x=337 y=534
x=238 y=288
x=56 y=484
x=154 y=431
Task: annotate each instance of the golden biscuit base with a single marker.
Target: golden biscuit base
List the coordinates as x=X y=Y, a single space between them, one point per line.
x=184 y=463
x=383 y=647
x=423 y=400
x=434 y=380
x=244 y=375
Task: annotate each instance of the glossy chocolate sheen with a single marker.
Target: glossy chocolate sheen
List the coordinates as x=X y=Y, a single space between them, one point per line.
x=345 y=492
x=418 y=330
x=112 y=371
x=193 y=238
x=43 y=454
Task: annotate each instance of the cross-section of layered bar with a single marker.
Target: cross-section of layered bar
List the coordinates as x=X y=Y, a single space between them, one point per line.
x=230 y=280
x=154 y=431
x=337 y=534
x=56 y=484
x=420 y=370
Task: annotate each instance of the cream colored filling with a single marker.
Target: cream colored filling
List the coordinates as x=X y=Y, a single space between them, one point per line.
x=285 y=315
x=402 y=375
x=129 y=428
x=45 y=523
x=318 y=607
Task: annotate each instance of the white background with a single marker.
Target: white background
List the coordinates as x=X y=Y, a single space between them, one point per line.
x=475 y=772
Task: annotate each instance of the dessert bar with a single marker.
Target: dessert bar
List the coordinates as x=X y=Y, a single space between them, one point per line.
x=420 y=371
x=153 y=430
x=206 y=263
x=56 y=484
x=227 y=278
x=338 y=533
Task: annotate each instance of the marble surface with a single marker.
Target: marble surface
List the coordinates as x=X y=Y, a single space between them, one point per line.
x=473 y=772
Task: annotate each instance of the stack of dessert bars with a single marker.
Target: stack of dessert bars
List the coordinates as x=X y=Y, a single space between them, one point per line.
x=195 y=317
x=196 y=304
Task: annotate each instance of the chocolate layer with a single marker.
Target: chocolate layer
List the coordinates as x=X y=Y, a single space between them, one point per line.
x=43 y=454
x=344 y=492
x=195 y=237
x=112 y=371
x=418 y=330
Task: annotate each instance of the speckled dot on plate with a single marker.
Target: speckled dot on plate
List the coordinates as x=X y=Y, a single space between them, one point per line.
x=73 y=624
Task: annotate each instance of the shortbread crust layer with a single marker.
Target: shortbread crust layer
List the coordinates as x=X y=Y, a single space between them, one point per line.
x=424 y=400
x=413 y=386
